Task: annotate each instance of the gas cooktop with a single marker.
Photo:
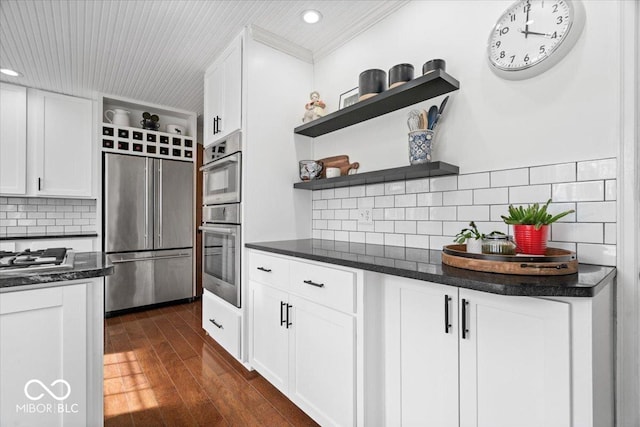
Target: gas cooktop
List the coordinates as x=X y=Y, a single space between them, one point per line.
x=41 y=259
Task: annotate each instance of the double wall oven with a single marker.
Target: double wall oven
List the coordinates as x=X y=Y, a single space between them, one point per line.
x=221 y=219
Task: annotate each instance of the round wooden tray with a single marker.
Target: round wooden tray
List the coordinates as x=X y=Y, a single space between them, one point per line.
x=556 y=262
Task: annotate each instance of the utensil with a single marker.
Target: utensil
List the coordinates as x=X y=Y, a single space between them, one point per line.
x=436 y=121
x=414 y=120
x=424 y=121
x=431 y=116
x=443 y=104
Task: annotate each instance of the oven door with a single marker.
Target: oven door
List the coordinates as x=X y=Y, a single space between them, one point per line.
x=221 y=250
x=221 y=180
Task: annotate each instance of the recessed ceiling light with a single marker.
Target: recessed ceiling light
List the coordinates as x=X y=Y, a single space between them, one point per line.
x=311 y=16
x=9 y=72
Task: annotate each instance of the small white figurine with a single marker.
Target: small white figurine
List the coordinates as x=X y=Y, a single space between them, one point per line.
x=314 y=108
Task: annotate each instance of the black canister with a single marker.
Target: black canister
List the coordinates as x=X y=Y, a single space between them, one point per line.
x=371 y=83
x=399 y=74
x=434 y=64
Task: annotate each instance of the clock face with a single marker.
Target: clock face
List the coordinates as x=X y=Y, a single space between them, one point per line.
x=529 y=33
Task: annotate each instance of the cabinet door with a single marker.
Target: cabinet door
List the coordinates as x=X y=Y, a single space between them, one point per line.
x=44 y=340
x=232 y=119
x=213 y=92
x=269 y=336
x=13 y=139
x=422 y=377
x=514 y=361
x=322 y=362
x=61 y=133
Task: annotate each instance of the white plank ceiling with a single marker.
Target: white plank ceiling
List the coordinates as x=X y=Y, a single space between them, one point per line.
x=156 y=51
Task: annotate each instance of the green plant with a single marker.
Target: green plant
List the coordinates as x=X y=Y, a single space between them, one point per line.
x=468 y=233
x=533 y=215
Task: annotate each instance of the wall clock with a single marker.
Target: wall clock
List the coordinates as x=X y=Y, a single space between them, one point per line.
x=531 y=36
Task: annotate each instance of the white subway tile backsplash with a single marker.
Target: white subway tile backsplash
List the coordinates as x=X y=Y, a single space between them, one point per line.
x=19 y=215
x=510 y=177
x=460 y=197
x=357 y=191
x=27 y=222
x=568 y=246
x=597 y=254
x=443 y=213
x=36 y=229
x=394 y=239
x=610 y=189
x=597 y=169
x=384 y=201
x=16 y=230
x=417 y=185
x=610 y=234
x=428 y=212
x=342 y=193
x=444 y=183
x=405 y=200
x=416 y=241
x=397 y=187
x=17 y=201
x=596 y=212
x=577 y=232
x=473 y=213
x=405 y=227
x=429 y=199
x=46 y=222
x=563 y=172
x=35 y=201
x=473 y=180
x=530 y=194
x=349 y=203
x=429 y=227
x=9 y=208
x=391 y=214
x=30 y=208
x=578 y=191
x=8 y=222
x=383 y=226
x=72 y=215
x=334 y=204
x=374 y=238
x=420 y=214
x=342 y=236
x=491 y=196
x=65 y=208
x=57 y=229
x=375 y=190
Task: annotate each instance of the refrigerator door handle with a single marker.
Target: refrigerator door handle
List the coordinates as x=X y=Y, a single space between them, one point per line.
x=146 y=202
x=151 y=258
x=159 y=203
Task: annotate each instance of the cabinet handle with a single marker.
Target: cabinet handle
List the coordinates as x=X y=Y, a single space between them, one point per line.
x=288 y=322
x=219 y=124
x=216 y=323
x=282 y=321
x=447 y=325
x=465 y=331
x=266 y=270
x=312 y=283
x=39 y=183
x=215 y=122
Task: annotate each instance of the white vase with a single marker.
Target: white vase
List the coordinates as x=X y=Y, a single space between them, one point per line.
x=474 y=246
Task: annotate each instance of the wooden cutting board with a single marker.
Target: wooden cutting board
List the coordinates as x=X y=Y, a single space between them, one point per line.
x=341 y=162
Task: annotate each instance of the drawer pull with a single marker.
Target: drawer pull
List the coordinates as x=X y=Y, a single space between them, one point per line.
x=447 y=325
x=266 y=270
x=465 y=329
x=312 y=283
x=216 y=323
x=288 y=322
x=282 y=320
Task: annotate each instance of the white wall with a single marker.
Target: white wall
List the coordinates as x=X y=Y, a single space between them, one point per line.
x=568 y=113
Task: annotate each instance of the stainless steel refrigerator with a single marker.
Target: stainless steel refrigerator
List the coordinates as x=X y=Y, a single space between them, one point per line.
x=148 y=230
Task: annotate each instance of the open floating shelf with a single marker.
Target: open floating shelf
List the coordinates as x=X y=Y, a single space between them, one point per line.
x=387 y=175
x=425 y=87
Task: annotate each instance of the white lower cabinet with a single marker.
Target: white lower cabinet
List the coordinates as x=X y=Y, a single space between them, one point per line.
x=305 y=349
x=490 y=360
x=51 y=355
x=222 y=322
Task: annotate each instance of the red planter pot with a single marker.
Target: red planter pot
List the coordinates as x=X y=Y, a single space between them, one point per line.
x=529 y=240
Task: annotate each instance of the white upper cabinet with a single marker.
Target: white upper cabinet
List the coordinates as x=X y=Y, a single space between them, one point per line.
x=13 y=139
x=61 y=137
x=223 y=94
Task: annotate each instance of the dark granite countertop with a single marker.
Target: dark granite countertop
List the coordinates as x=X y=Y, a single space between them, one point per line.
x=425 y=264
x=85 y=265
x=38 y=236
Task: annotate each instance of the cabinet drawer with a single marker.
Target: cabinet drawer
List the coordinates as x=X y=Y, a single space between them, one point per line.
x=325 y=285
x=221 y=322
x=269 y=270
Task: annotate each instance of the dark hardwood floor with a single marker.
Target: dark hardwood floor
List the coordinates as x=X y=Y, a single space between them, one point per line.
x=160 y=369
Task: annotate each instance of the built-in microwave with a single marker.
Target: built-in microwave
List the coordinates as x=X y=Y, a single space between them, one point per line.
x=222 y=172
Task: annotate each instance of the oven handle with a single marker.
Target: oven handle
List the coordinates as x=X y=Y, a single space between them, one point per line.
x=231 y=158
x=217 y=230
x=151 y=258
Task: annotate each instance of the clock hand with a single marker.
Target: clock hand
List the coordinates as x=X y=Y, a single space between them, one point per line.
x=535 y=33
x=526 y=23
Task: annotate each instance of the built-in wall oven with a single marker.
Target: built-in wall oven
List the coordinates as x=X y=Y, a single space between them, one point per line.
x=221 y=221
